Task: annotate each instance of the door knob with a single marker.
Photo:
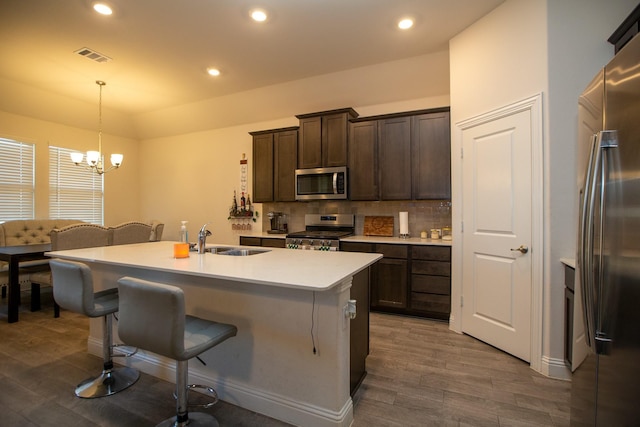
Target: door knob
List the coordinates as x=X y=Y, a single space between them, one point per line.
x=522 y=249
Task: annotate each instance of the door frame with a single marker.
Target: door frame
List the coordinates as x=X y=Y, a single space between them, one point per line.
x=532 y=105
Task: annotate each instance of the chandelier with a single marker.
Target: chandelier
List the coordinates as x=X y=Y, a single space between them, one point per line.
x=94 y=158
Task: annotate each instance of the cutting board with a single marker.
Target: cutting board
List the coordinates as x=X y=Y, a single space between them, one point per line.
x=378 y=226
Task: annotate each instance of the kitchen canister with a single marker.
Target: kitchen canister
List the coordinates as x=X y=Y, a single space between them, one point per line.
x=446 y=233
x=404 y=225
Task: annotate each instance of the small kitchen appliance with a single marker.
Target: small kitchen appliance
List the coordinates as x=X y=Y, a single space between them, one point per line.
x=278 y=223
x=322 y=232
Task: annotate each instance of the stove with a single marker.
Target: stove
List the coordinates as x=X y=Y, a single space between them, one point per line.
x=322 y=232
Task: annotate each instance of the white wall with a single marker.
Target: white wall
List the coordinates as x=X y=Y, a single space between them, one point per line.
x=522 y=48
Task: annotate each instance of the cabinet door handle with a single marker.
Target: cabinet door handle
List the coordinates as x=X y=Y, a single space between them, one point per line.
x=522 y=249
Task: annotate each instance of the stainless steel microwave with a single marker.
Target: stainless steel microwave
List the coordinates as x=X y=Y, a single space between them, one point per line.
x=321 y=183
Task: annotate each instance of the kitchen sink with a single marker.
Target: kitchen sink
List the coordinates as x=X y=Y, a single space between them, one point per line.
x=218 y=249
x=231 y=251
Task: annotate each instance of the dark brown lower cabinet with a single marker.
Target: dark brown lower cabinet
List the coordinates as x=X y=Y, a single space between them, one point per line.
x=431 y=281
x=271 y=242
x=359 y=329
x=389 y=284
x=389 y=275
x=411 y=279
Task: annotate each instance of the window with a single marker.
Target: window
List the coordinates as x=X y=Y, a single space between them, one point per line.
x=17 y=174
x=75 y=192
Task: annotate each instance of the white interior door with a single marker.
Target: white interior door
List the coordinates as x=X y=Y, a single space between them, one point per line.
x=497 y=220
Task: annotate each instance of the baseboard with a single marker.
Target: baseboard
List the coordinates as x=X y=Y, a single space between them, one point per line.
x=266 y=403
x=555 y=368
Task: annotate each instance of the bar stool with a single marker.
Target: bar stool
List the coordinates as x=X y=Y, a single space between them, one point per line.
x=152 y=317
x=73 y=291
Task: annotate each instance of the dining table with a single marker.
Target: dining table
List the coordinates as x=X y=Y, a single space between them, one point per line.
x=14 y=255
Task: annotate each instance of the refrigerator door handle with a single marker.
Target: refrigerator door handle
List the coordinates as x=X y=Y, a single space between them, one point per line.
x=586 y=245
x=609 y=165
x=593 y=266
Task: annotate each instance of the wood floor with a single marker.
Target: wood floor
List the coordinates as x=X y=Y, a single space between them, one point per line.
x=419 y=374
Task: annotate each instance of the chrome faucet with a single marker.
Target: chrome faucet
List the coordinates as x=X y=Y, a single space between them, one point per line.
x=202 y=238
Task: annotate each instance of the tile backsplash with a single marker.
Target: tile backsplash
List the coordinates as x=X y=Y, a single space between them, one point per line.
x=423 y=214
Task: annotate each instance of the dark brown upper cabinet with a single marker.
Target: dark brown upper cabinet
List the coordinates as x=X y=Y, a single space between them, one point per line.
x=394 y=140
x=431 y=156
x=323 y=138
x=274 y=165
x=363 y=161
x=402 y=156
x=262 y=166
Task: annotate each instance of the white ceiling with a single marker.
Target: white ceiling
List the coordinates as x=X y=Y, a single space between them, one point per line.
x=161 y=48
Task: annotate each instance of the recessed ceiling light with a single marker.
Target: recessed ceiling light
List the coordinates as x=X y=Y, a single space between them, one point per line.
x=258 y=15
x=213 y=72
x=102 y=8
x=405 y=23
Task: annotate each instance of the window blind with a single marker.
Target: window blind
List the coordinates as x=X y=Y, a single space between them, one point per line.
x=17 y=185
x=75 y=192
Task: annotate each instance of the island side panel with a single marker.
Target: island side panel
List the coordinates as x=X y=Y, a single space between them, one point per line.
x=269 y=367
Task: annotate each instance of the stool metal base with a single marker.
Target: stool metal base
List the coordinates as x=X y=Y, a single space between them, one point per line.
x=196 y=419
x=109 y=382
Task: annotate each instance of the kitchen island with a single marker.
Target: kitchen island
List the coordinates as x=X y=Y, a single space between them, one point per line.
x=290 y=359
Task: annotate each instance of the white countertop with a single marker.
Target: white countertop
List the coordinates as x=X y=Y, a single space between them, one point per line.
x=569 y=262
x=311 y=270
x=396 y=240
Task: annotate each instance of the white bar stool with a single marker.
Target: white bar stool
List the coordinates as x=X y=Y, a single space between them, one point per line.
x=152 y=317
x=73 y=291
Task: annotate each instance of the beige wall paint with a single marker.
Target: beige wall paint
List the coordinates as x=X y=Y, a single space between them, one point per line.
x=413 y=78
x=122 y=187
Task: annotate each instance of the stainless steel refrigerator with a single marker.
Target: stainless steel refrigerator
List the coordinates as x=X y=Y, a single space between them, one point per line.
x=606 y=386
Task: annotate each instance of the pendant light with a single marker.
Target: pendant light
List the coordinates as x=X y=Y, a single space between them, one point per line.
x=94 y=158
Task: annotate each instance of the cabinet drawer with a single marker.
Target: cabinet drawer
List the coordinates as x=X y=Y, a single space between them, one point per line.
x=435 y=268
x=431 y=284
x=356 y=247
x=392 y=251
x=249 y=241
x=433 y=253
x=273 y=243
x=431 y=302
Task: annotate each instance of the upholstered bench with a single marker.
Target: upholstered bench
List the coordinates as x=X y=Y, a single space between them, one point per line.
x=27 y=232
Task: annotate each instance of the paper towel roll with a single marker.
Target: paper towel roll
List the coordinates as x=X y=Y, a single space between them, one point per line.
x=404 y=223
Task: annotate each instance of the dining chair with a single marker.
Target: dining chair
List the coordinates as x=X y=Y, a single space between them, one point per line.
x=131 y=232
x=75 y=236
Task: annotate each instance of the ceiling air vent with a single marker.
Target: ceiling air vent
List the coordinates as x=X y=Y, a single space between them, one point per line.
x=92 y=55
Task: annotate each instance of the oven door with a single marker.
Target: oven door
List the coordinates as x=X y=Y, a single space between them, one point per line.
x=321 y=183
